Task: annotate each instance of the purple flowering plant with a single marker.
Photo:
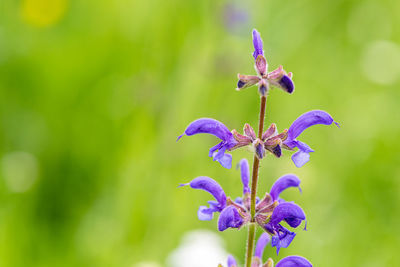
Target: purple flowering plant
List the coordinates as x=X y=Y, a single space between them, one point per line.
x=271 y=211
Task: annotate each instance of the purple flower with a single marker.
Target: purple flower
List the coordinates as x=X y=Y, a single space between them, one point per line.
x=229 y=218
x=262 y=242
x=209 y=185
x=245 y=175
x=269 y=212
x=306 y=120
x=272 y=210
x=294 y=261
x=293 y=215
x=277 y=78
x=218 y=129
x=284 y=182
x=232 y=215
x=273 y=141
x=231 y=261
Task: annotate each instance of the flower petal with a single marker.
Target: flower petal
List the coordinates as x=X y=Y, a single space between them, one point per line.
x=300 y=158
x=218 y=129
x=226 y=161
x=294 y=261
x=263 y=240
x=258 y=45
x=245 y=174
x=210 y=126
x=298 y=126
x=206 y=214
x=306 y=120
x=211 y=186
x=229 y=218
x=223 y=158
x=284 y=182
x=286 y=84
x=231 y=261
x=282 y=239
x=289 y=212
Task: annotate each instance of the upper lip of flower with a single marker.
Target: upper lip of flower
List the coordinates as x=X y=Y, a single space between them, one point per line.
x=303 y=122
x=218 y=129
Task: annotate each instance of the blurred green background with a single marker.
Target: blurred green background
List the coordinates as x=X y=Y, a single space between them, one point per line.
x=94 y=93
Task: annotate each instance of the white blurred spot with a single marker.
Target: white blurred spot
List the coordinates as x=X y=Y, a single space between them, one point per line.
x=369 y=21
x=198 y=248
x=380 y=62
x=20 y=170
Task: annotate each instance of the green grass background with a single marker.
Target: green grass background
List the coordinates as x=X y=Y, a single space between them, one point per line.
x=96 y=92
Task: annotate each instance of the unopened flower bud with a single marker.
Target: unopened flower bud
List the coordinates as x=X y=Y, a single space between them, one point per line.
x=269 y=263
x=259 y=148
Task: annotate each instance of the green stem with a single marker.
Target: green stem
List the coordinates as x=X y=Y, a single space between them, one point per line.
x=250 y=243
x=254 y=180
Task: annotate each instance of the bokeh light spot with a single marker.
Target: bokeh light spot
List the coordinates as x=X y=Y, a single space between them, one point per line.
x=19 y=170
x=380 y=62
x=42 y=13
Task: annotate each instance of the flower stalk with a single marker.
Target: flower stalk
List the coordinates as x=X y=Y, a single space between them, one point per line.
x=254 y=181
x=250 y=244
x=269 y=212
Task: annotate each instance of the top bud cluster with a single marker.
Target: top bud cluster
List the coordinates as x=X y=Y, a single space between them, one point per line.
x=277 y=78
x=269 y=212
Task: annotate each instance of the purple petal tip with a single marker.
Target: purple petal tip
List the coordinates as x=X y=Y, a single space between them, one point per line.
x=258 y=45
x=179 y=137
x=287 y=84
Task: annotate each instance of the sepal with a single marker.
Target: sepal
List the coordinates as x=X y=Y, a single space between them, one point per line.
x=246 y=81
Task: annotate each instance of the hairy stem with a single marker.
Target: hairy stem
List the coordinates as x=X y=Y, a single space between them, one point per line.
x=254 y=180
x=250 y=243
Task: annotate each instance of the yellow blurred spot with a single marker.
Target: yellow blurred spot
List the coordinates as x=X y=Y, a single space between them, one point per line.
x=42 y=13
